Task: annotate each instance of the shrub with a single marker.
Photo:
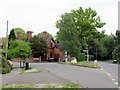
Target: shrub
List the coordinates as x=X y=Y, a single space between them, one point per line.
x=0 y=70
x=5 y=70
x=81 y=57
x=10 y=64
x=91 y=57
x=6 y=67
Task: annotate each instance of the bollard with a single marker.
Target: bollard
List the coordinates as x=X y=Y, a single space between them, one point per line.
x=96 y=63
x=27 y=66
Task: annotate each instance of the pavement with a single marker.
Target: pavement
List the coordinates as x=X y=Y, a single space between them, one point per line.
x=61 y=73
x=32 y=78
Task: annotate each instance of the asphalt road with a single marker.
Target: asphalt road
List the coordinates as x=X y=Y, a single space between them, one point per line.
x=58 y=73
x=111 y=70
x=87 y=77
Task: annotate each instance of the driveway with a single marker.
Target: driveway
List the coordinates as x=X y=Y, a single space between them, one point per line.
x=60 y=73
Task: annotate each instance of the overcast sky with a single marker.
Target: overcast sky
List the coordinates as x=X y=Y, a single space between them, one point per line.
x=41 y=15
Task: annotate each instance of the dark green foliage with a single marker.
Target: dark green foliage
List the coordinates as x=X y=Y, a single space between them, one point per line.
x=12 y=35
x=38 y=46
x=81 y=57
x=91 y=57
x=102 y=47
x=116 y=52
x=118 y=36
x=4 y=46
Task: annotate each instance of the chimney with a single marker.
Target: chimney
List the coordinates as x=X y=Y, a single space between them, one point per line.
x=44 y=34
x=29 y=34
x=19 y=35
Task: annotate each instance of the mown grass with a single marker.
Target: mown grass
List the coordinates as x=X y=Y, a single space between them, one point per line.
x=84 y=63
x=30 y=70
x=62 y=85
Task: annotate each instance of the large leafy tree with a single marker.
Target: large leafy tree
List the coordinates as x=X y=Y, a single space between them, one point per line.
x=19 y=49
x=116 y=52
x=38 y=46
x=109 y=43
x=103 y=47
x=76 y=27
x=67 y=35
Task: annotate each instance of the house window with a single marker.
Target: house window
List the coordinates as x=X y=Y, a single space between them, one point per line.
x=51 y=45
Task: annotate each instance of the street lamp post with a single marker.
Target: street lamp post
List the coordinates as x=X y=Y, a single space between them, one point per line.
x=87 y=54
x=6 y=41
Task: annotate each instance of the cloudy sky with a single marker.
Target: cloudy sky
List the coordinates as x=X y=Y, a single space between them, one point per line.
x=41 y=15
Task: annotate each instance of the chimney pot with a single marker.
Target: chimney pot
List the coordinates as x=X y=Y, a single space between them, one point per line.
x=44 y=34
x=29 y=34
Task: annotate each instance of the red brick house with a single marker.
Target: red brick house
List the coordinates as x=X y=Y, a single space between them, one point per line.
x=53 y=51
x=54 y=48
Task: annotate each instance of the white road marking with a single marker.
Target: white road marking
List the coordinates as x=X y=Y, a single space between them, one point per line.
x=113 y=79
x=109 y=75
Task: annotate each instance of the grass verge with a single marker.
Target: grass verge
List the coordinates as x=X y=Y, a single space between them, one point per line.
x=31 y=70
x=62 y=85
x=84 y=63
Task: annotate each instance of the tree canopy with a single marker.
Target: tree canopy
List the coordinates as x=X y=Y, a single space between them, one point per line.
x=75 y=29
x=38 y=46
x=116 y=52
x=16 y=30
x=19 y=48
x=12 y=35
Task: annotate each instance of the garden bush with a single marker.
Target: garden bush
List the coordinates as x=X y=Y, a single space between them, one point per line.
x=81 y=57
x=10 y=64
x=91 y=57
x=5 y=70
x=6 y=66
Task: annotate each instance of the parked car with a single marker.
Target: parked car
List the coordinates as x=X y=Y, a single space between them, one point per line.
x=115 y=61
x=51 y=59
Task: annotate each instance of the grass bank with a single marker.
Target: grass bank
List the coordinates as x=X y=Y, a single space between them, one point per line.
x=62 y=85
x=83 y=63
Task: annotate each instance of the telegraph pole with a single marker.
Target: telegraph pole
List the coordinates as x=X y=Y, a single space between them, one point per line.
x=6 y=40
